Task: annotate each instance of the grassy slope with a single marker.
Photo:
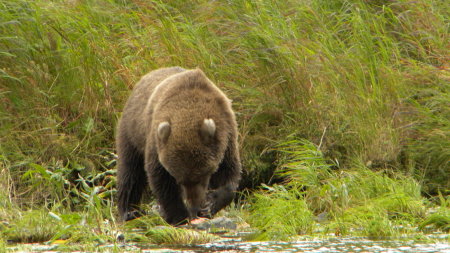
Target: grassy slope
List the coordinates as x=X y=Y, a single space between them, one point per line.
x=368 y=83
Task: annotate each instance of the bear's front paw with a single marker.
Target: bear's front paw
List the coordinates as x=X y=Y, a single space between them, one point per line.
x=205 y=213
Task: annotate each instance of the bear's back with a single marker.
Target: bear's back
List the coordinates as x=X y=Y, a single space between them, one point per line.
x=186 y=99
x=189 y=89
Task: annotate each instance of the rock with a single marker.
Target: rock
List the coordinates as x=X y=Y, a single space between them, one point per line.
x=321 y=217
x=216 y=223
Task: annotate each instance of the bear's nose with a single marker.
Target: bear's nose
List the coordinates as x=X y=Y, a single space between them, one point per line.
x=194 y=196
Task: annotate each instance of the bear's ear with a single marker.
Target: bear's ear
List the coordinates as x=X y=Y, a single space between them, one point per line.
x=163 y=131
x=208 y=129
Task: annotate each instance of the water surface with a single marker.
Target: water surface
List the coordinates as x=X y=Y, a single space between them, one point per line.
x=329 y=245
x=237 y=245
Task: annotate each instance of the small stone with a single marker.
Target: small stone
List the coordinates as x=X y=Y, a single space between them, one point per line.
x=120 y=237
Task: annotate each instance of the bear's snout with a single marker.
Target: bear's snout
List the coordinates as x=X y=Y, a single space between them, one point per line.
x=194 y=196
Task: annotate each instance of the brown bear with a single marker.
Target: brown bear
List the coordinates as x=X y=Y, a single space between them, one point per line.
x=178 y=134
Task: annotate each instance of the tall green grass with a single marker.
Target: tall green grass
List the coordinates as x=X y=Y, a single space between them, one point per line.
x=369 y=80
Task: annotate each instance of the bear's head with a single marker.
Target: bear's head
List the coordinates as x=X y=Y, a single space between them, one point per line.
x=191 y=153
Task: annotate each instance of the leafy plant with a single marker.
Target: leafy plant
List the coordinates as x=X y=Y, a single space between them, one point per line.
x=358 y=201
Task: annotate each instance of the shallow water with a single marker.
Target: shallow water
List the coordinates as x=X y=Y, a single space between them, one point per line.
x=237 y=245
x=329 y=245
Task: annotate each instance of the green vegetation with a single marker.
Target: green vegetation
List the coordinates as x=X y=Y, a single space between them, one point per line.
x=365 y=82
x=153 y=229
x=354 y=201
x=439 y=219
x=280 y=214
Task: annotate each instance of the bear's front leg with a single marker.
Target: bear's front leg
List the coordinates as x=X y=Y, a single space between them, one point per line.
x=224 y=182
x=167 y=193
x=131 y=180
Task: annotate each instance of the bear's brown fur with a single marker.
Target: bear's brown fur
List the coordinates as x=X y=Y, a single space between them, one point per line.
x=177 y=133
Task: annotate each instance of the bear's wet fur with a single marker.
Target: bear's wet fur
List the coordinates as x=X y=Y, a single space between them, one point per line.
x=178 y=134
